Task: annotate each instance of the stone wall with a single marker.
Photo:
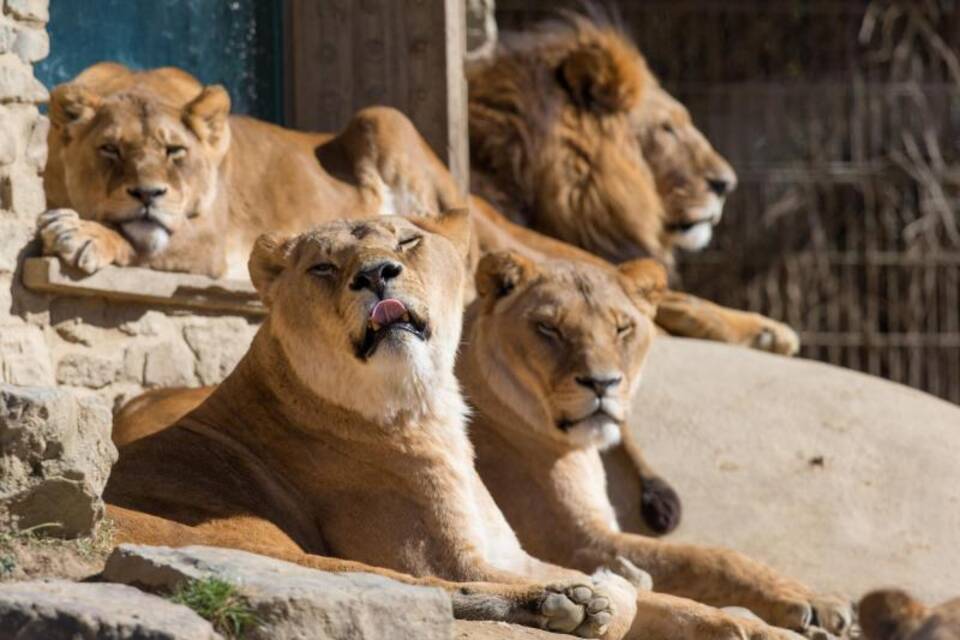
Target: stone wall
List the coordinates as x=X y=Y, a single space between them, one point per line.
x=95 y=346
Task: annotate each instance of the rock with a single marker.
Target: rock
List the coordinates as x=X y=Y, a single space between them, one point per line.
x=32 y=44
x=60 y=610
x=218 y=344
x=168 y=364
x=55 y=459
x=87 y=370
x=17 y=83
x=843 y=480
x=291 y=601
x=478 y=630
x=14 y=236
x=24 y=356
x=34 y=10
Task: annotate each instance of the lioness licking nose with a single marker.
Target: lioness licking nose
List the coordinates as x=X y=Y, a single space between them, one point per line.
x=340 y=437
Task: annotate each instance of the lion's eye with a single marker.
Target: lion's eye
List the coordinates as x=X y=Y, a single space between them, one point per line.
x=409 y=243
x=624 y=330
x=109 y=151
x=176 y=151
x=549 y=330
x=323 y=269
x=667 y=127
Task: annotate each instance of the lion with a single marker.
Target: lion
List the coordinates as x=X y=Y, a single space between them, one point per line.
x=552 y=355
x=290 y=458
x=892 y=614
x=149 y=168
x=572 y=135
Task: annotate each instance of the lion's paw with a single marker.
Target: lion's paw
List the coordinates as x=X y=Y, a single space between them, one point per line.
x=577 y=608
x=640 y=579
x=79 y=243
x=834 y=614
x=776 y=337
x=819 y=617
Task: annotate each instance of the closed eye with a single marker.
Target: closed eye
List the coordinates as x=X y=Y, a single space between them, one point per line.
x=109 y=151
x=668 y=128
x=409 y=243
x=323 y=269
x=176 y=151
x=624 y=330
x=549 y=330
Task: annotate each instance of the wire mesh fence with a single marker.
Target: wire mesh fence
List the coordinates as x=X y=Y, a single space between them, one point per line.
x=842 y=118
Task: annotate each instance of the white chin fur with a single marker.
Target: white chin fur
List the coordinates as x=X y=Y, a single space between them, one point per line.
x=148 y=237
x=695 y=238
x=597 y=431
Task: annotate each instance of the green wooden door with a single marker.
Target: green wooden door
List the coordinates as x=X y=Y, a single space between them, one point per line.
x=236 y=43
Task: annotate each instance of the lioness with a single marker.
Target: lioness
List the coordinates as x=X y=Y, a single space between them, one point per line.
x=163 y=176
x=341 y=433
x=552 y=353
x=571 y=134
x=892 y=614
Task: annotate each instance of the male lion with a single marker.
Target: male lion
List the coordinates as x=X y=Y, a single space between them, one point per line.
x=892 y=614
x=341 y=433
x=163 y=176
x=571 y=134
x=552 y=355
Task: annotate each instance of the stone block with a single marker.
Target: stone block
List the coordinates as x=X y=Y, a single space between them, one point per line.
x=32 y=44
x=56 y=457
x=21 y=191
x=168 y=364
x=92 y=370
x=218 y=344
x=14 y=237
x=33 y=10
x=17 y=83
x=293 y=601
x=61 y=610
x=24 y=356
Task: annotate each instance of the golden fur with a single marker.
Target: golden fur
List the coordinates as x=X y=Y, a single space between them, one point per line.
x=552 y=355
x=289 y=456
x=892 y=614
x=572 y=135
x=217 y=180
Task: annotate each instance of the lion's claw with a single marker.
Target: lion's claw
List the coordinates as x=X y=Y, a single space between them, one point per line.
x=79 y=243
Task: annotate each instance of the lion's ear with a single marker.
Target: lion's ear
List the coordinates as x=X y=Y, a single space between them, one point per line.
x=603 y=76
x=267 y=261
x=645 y=280
x=499 y=273
x=72 y=103
x=207 y=114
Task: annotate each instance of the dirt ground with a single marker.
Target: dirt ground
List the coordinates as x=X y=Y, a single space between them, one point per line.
x=31 y=555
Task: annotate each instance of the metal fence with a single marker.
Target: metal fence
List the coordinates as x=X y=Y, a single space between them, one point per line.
x=842 y=119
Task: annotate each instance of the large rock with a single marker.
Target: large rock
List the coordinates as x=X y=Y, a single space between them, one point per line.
x=291 y=601
x=60 y=610
x=55 y=455
x=844 y=480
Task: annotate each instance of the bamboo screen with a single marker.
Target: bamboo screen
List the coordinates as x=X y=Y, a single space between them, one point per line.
x=842 y=119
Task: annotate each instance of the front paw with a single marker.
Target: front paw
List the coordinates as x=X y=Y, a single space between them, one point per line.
x=80 y=243
x=818 y=617
x=578 y=608
x=775 y=337
x=659 y=505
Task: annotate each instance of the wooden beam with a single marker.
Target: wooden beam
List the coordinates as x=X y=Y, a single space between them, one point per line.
x=343 y=55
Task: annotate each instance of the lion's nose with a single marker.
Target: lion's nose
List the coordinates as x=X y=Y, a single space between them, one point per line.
x=375 y=277
x=599 y=384
x=720 y=186
x=146 y=195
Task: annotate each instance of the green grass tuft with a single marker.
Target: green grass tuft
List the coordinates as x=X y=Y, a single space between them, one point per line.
x=219 y=602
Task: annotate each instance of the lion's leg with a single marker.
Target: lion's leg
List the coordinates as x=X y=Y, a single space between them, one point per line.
x=84 y=244
x=720 y=577
x=685 y=315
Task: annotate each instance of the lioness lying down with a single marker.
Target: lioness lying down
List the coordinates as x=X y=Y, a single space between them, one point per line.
x=552 y=353
x=341 y=433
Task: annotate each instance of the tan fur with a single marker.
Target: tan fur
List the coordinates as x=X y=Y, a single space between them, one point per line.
x=892 y=614
x=227 y=178
x=572 y=135
x=316 y=447
x=526 y=384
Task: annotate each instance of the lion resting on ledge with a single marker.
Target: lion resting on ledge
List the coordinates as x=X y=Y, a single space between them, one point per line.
x=163 y=176
x=341 y=433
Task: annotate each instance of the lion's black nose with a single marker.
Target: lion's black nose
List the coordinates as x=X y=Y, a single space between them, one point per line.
x=598 y=384
x=146 y=195
x=376 y=276
x=720 y=186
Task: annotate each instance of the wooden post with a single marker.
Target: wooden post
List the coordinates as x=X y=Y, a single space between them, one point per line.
x=343 y=55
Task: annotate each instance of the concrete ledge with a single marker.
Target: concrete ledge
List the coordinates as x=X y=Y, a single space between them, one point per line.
x=146 y=286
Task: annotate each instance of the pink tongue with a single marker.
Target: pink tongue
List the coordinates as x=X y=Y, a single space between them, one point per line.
x=387 y=311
